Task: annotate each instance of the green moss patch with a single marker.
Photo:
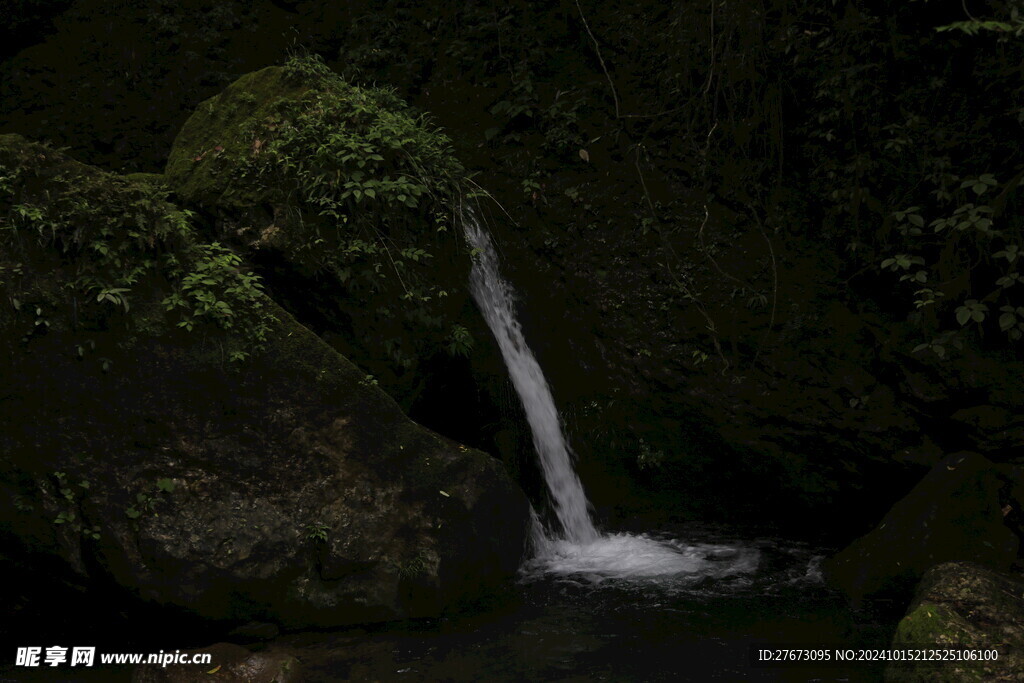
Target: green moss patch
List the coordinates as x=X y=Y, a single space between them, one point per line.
x=961 y=604
x=932 y=624
x=221 y=136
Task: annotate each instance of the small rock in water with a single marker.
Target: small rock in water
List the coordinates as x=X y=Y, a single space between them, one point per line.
x=722 y=554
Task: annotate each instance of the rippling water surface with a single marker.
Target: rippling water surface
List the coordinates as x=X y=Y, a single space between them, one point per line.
x=684 y=604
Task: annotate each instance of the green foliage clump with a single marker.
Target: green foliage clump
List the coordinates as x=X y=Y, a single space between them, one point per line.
x=648 y=458
x=923 y=187
x=362 y=166
x=317 y=532
x=214 y=288
x=85 y=251
x=460 y=341
x=68 y=515
x=146 y=503
x=414 y=567
x=347 y=185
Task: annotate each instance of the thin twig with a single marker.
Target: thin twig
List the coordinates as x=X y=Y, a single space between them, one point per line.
x=662 y=113
x=393 y=266
x=597 y=49
x=643 y=183
x=711 y=49
x=707 y=254
x=963 y=3
x=492 y=198
x=775 y=286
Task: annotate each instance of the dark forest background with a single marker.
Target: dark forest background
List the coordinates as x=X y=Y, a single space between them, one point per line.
x=754 y=238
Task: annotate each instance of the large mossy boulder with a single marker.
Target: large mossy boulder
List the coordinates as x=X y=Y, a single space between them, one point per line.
x=169 y=434
x=347 y=203
x=955 y=513
x=962 y=604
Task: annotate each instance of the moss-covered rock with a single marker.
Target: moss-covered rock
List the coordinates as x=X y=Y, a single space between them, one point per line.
x=955 y=513
x=287 y=490
x=89 y=252
x=225 y=133
x=964 y=604
x=345 y=201
x=281 y=487
x=147 y=178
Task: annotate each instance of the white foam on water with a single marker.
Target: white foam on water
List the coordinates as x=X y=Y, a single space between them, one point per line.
x=639 y=557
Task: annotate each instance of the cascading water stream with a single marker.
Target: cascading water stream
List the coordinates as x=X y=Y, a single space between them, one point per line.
x=579 y=550
x=496 y=301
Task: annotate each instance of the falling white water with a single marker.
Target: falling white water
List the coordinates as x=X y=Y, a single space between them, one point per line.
x=496 y=300
x=579 y=550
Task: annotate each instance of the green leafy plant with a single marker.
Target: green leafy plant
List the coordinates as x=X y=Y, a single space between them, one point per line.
x=460 y=341
x=69 y=517
x=217 y=290
x=146 y=503
x=416 y=566
x=991 y=273
x=317 y=532
x=353 y=176
x=103 y=250
x=928 y=192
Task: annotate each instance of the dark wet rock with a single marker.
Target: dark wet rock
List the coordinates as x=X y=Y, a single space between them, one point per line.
x=254 y=632
x=965 y=604
x=925 y=454
x=994 y=428
x=280 y=485
x=229 y=663
x=296 y=493
x=955 y=513
x=924 y=386
x=346 y=202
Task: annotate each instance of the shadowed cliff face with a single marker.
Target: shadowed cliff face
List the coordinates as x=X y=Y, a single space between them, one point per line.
x=283 y=487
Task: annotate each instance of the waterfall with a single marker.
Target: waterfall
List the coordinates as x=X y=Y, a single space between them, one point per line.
x=579 y=551
x=496 y=301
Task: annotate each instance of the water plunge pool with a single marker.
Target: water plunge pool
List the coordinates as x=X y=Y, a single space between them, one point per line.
x=625 y=608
